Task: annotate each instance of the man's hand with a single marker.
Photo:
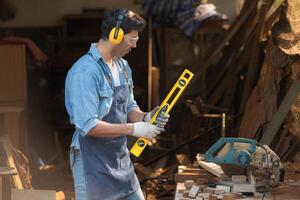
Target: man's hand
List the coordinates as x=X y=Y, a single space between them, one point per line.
x=160 y=121
x=146 y=130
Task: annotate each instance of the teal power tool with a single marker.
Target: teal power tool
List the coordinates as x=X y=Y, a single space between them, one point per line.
x=236 y=151
x=245 y=156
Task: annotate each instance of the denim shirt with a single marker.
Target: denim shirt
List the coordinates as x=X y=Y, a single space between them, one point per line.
x=89 y=89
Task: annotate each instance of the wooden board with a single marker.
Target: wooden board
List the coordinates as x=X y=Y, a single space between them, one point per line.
x=195 y=176
x=13 y=81
x=280 y=115
x=212 y=168
x=11 y=163
x=33 y=194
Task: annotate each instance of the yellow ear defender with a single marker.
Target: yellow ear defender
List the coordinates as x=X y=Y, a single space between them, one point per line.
x=116 y=34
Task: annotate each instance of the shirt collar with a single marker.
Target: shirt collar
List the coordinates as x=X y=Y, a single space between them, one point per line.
x=94 y=51
x=97 y=55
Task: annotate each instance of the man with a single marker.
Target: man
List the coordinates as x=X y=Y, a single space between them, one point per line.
x=100 y=102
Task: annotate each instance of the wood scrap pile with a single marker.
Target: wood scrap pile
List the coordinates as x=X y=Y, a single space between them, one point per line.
x=189 y=190
x=249 y=76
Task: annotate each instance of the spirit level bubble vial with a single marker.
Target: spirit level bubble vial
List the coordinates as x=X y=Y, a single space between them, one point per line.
x=164 y=108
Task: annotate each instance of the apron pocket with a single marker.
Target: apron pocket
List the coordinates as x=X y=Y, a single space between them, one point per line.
x=106 y=98
x=115 y=151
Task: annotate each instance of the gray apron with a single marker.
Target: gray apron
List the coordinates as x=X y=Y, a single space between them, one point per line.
x=109 y=173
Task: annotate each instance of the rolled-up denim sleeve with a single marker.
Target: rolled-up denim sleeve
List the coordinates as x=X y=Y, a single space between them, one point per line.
x=83 y=98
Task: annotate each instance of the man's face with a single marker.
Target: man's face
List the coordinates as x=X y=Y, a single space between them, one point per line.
x=129 y=41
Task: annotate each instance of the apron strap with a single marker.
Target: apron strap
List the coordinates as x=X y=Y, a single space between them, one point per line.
x=108 y=78
x=123 y=69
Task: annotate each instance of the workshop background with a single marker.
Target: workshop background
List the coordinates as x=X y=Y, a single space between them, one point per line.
x=245 y=58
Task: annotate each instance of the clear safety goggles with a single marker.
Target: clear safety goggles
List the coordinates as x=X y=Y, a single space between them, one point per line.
x=132 y=41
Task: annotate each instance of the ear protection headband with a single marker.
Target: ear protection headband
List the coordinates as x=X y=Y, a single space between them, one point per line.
x=116 y=34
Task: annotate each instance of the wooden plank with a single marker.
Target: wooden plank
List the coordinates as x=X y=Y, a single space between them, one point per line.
x=33 y=194
x=184 y=168
x=212 y=168
x=228 y=60
x=13 y=83
x=231 y=64
x=11 y=163
x=247 y=38
x=274 y=7
x=272 y=16
x=262 y=103
x=196 y=176
x=254 y=57
x=280 y=115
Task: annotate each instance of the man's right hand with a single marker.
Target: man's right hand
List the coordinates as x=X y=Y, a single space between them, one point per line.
x=146 y=130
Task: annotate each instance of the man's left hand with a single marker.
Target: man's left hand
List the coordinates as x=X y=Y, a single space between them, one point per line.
x=160 y=121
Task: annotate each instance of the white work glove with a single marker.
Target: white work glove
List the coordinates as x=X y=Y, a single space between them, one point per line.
x=160 y=121
x=146 y=130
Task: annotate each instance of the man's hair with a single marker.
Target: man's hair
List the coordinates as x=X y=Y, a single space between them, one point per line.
x=131 y=22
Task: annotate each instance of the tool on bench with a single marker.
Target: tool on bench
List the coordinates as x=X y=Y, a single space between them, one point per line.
x=165 y=107
x=249 y=158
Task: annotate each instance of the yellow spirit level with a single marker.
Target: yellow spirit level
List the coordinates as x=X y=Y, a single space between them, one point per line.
x=165 y=107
